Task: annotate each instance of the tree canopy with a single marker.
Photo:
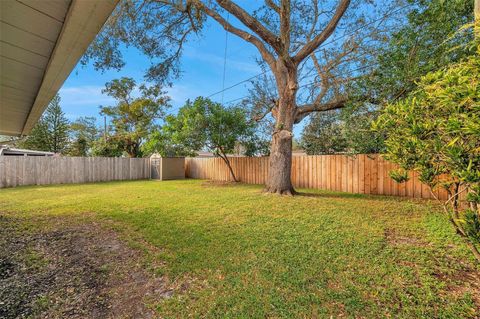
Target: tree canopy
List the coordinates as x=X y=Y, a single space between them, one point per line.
x=324 y=135
x=206 y=125
x=427 y=41
x=83 y=134
x=133 y=118
x=342 y=132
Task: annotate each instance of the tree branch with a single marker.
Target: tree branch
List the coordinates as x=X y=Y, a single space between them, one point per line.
x=273 y=5
x=266 y=55
x=285 y=27
x=324 y=35
x=303 y=111
x=252 y=23
x=269 y=109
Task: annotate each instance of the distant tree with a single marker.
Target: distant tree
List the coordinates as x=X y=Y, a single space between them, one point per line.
x=51 y=132
x=324 y=134
x=203 y=124
x=38 y=139
x=109 y=147
x=133 y=118
x=436 y=132
x=162 y=142
x=342 y=132
x=84 y=133
x=357 y=132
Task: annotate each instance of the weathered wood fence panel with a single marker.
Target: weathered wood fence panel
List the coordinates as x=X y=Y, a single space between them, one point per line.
x=39 y=170
x=361 y=174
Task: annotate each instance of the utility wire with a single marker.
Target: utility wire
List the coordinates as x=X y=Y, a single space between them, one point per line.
x=314 y=82
x=225 y=59
x=236 y=84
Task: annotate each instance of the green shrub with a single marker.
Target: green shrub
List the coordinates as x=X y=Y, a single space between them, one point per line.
x=436 y=132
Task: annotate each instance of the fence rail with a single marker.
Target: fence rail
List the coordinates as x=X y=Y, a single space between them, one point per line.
x=37 y=170
x=362 y=174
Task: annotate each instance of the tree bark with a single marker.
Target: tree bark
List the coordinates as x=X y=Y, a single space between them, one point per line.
x=279 y=180
x=229 y=165
x=280 y=163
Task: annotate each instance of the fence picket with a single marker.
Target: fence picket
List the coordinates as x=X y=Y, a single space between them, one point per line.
x=363 y=174
x=29 y=170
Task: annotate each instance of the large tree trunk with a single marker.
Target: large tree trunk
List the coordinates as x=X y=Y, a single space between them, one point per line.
x=279 y=179
x=280 y=164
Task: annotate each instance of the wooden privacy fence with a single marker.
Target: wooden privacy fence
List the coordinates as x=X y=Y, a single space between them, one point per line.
x=39 y=170
x=362 y=174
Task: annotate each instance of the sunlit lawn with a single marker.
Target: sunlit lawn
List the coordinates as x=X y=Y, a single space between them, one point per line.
x=233 y=252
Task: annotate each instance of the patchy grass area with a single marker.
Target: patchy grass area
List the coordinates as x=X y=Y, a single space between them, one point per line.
x=53 y=268
x=232 y=252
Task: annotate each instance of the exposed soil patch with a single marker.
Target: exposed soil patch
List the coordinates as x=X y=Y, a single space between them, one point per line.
x=395 y=239
x=464 y=281
x=72 y=271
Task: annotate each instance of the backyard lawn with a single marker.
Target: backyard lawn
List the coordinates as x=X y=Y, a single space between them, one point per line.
x=228 y=251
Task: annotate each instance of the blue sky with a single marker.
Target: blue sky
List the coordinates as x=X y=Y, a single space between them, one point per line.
x=202 y=67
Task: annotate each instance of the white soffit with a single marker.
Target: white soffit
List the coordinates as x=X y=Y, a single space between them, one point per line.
x=41 y=41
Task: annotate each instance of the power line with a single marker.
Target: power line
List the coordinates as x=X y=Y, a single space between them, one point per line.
x=236 y=84
x=313 y=82
x=225 y=59
x=321 y=46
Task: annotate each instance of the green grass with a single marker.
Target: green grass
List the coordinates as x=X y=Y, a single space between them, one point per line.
x=232 y=252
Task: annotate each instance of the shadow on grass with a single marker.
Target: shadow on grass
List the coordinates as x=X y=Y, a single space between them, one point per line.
x=333 y=195
x=339 y=195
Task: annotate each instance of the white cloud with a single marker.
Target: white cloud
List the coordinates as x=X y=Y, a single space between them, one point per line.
x=85 y=95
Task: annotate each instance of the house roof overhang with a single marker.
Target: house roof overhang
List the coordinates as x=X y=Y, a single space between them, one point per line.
x=40 y=44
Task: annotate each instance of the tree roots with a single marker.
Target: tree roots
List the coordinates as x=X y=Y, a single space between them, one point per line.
x=283 y=192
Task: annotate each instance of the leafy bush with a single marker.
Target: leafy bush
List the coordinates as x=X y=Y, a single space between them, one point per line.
x=436 y=132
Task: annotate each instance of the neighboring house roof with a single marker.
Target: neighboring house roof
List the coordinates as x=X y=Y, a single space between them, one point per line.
x=205 y=154
x=8 y=151
x=40 y=44
x=156 y=155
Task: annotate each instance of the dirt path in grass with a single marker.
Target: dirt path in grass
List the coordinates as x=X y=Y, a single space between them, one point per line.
x=72 y=270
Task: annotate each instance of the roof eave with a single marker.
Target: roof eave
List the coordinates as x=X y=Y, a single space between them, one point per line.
x=83 y=22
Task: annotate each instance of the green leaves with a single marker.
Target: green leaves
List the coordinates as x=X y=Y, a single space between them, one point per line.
x=133 y=117
x=324 y=134
x=84 y=133
x=399 y=175
x=472 y=225
x=435 y=131
x=206 y=125
x=436 y=127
